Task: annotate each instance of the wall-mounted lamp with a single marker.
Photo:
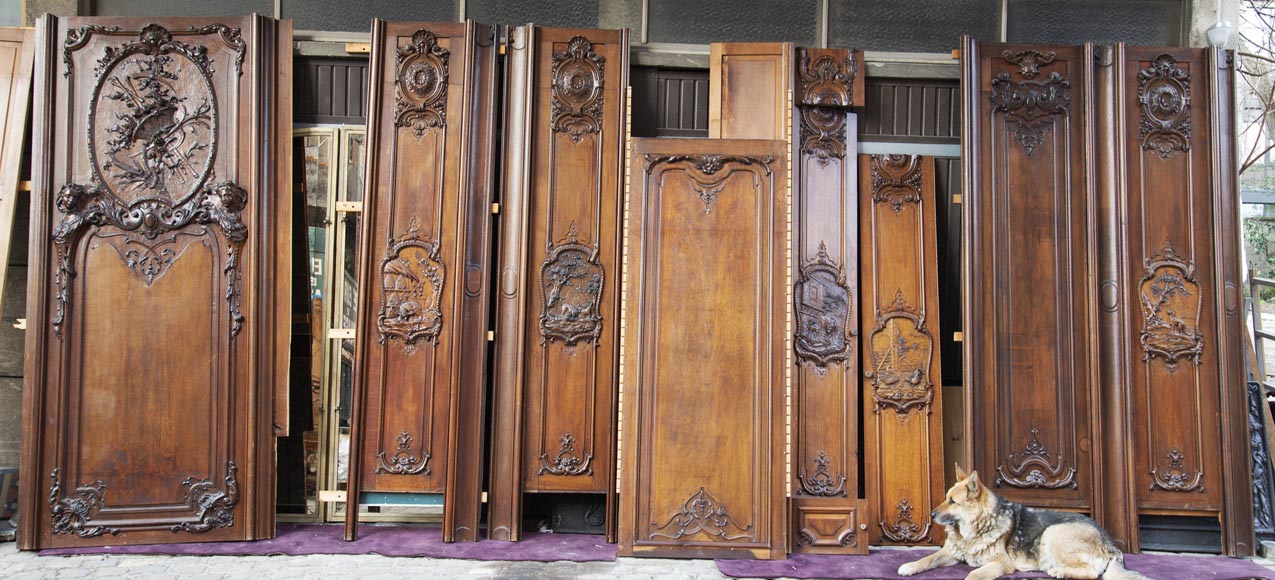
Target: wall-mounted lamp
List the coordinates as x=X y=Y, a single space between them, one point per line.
x=1220 y=33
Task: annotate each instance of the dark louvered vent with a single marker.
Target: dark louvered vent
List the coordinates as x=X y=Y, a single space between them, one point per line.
x=330 y=90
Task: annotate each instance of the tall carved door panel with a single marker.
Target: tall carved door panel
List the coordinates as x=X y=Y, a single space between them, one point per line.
x=902 y=406
x=1031 y=262
x=557 y=333
x=705 y=349
x=824 y=478
x=159 y=316
x=423 y=315
x=748 y=90
x=1182 y=287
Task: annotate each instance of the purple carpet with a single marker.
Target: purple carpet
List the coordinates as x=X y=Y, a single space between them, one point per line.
x=882 y=565
x=305 y=539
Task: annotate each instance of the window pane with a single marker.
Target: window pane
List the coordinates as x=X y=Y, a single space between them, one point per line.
x=170 y=8
x=347 y=16
x=1137 y=22
x=559 y=13
x=911 y=25
x=692 y=22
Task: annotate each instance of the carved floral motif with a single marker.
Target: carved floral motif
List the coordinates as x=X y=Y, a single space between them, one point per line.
x=701 y=514
x=825 y=80
x=577 y=76
x=822 y=483
x=896 y=179
x=1170 y=300
x=823 y=133
x=420 y=84
x=1176 y=477
x=901 y=349
x=404 y=461
x=1030 y=106
x=571 y=280
x=211 y=507
x=823 y=311
x=1029 y=61
x=1035 y=468
x=707 y=185
x=412 y=278
x=74 y=514
x=904 y=529
x=566 y=462
x=1164 y=91
x=215 y=508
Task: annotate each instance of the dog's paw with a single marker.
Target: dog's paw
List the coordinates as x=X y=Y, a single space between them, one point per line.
x=911 y=568
x=1056 y=573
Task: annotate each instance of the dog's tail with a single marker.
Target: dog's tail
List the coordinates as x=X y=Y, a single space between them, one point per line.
x=1117 y=571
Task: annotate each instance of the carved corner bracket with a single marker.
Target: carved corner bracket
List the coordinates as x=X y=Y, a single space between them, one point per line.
x=901 y=348
x=1035 y=468
x=420 y=84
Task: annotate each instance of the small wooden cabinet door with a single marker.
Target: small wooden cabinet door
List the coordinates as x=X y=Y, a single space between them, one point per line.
x=748 y=87
x=824 y=470
x=421 y=335
x=158 y=298
x=17 y=57
x=1030 y=340
x=902 y=399
x=557 y=333
x=705 y=349
x=1182 y=294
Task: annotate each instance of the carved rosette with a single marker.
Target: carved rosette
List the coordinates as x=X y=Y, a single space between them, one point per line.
x=576 y=93
x=566 y=462
x=152 y=140
x=403 y=461
x=1035 y=468
x=1164 y=91
x=412 y=277
x=823 y=311
x=904 y=529
x=1170 y=300
x=822 y=483
x=571 y=280
x=896 y=179
x=823 y=133
x=1030 y=106
x=215 y=508
x=74 y=513
x=420 y=84
x=702 y=514
x=705 y=180
x=1176 y=478
x=901 y=348
x=824 y=80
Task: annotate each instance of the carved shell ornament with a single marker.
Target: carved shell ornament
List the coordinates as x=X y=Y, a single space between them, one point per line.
x=896 y=179
x=152 y=140
x=577 y=77
x=1164 y=91
x=826 y=81
x=420 y=84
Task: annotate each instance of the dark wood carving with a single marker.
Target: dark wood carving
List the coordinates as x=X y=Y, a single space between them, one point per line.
x=903 y=527
x=896 y=179
x=686 y=498
x=823 y=311
x=1170 y=299
x=821 y=482
x=1263 y=477
x=823 y=133
x=424 y=302
x=1030 y=105
x=829 y=77
x=902 y=349
x=412 y=280
x=1029 y=61
x=1164 y=91
x=159 y=205
x=557 y=336
x=420 y=84
x=1174 y=476
x=1034 y=466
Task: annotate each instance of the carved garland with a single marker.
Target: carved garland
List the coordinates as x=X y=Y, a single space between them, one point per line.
x=403 y=462
x=420 y=84
x=826 y=81
x=1170 y=300
x=1164 y=90
x=901 y=348
x=822 y=483
x=1030 y=106
x=412 y=278
x=577 y=76
x=566 y=462
x=1176 y=477
x=1035 y=468
x=823 y=312
x=701 y=514
x=904 y=529
x=213 y=508
x=896 y=179
x=571 y=280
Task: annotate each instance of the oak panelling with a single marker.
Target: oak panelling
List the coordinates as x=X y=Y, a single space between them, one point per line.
x=151 y=257
x=748 y=90
x=1182 y=296
x=706 y=353
x=556 y=341
x=423 y=318
x=17 y=56
x=1030 y=336
x=902 y=395
x=825 y=407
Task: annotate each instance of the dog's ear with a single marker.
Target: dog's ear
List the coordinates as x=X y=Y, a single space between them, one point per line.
x=960 y=473
x=972 y=485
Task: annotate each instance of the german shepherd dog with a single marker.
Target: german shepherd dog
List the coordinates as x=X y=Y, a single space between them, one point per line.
x=999 y=537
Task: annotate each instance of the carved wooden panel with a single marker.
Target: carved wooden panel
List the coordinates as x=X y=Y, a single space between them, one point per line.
x=421 y=334
x=17 y=57
x=557 y=333
x=161 y=239
x=705 y=349
x=748 y=90
x=1181 y=296
x=825 y=451
x=1030 y=341
x=902 y=406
